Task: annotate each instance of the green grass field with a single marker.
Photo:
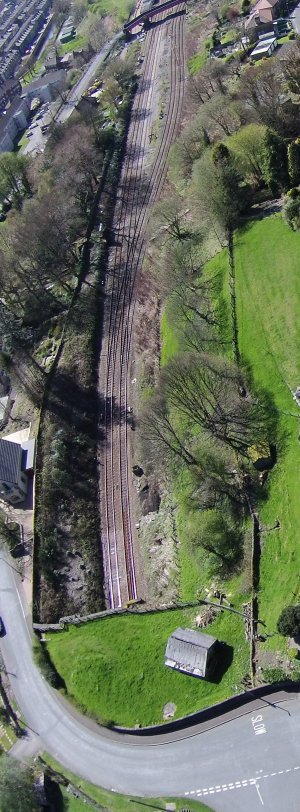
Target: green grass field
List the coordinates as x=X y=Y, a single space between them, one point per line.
x=113 y=800
x=116 y=8
x=268 y=308
x=197 y=61
x=115 y=667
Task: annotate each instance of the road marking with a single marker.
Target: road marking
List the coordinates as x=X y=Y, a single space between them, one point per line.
x=259 y=795
x=245 y=782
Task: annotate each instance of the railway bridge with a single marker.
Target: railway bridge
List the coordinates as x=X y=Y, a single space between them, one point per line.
x=146 y=16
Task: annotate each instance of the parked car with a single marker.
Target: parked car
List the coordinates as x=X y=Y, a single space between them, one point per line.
x=2 y=627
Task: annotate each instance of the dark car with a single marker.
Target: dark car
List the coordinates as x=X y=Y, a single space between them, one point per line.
x=2 y=627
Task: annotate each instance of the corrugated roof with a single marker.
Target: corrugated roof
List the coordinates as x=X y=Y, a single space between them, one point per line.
x=187 y=650
x=10 y=461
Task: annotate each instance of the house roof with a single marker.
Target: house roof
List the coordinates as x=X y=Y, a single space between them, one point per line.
x=187 y=650
x=263 y=11
x=10 y=461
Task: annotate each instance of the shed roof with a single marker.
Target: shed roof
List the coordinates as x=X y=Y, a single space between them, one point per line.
x=187 y=650
x=10 y=461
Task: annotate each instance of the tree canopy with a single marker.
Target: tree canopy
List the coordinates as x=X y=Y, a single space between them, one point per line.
x=288 y=622
x=17 y=792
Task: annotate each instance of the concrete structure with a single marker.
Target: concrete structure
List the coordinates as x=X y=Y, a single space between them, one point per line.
x=261 y=18
x=12 y=122
x=191 y=652
x=13 y=478
x=9 y=89
x=47 y=87
x=264 y=47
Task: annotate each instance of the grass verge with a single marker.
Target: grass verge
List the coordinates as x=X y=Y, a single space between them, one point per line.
x=113 y=800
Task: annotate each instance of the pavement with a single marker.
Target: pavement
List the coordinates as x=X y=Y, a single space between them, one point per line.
x=295 y=19
x=248 y=762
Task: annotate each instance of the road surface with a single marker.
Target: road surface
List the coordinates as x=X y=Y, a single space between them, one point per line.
x=37 y=141
x=86 y=79
x=242 y=765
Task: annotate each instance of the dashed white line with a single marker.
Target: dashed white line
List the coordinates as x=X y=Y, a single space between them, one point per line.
x=246 y=782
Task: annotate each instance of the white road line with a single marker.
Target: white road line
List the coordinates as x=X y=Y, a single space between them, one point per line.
x=259 y=795
x=245 y=782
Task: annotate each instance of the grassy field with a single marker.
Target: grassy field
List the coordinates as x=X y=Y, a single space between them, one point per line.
x=116 y=8
x=268 y=307
x=197 y=61
x=112 y=800
x=194 y=575
x=115 y=667
x=75 y=44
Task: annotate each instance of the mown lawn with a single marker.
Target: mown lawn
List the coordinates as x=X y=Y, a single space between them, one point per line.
x=268 y=307
x=115 y=667
x=113 y=800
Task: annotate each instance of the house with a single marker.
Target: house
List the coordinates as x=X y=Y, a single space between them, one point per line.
x=46 y=87
x=265 y=47
x=16 y=461
x=191 y=652
x=261 y=18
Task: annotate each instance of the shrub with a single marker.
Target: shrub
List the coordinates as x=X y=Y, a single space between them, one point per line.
x=288 y=622
x=274 y=675
x=44 y=664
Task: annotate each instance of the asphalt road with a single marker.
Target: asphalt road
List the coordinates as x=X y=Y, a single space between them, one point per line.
x=243 y=764
x=86 y=79
x=38 y=141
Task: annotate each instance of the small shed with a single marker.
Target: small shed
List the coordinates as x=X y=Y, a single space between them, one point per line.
x=264 y=47
x=191 y=652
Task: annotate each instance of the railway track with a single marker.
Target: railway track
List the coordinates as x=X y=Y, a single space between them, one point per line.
x=137 y=193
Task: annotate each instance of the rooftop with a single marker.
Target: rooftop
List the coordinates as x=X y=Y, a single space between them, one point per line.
x=10 y=461
x=187 y=650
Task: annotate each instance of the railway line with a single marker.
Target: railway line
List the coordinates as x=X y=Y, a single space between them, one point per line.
x=138 y=190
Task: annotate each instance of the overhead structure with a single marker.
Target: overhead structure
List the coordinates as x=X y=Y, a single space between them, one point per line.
x=149 y=13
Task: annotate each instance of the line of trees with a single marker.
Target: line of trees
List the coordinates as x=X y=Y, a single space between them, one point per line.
x=204 y=416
